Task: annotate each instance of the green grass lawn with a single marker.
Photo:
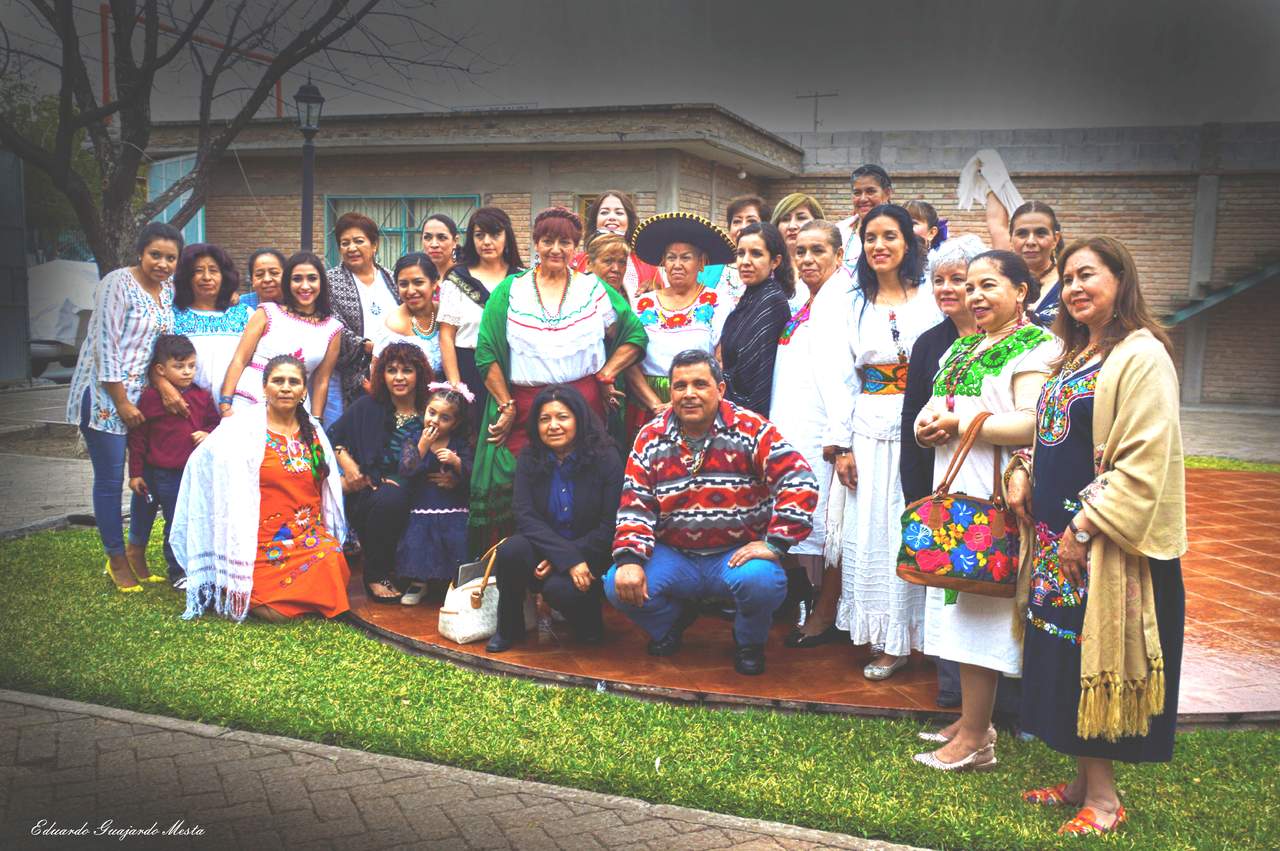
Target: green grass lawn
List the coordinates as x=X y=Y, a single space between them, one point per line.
x=1213 y=462
x=63 y=632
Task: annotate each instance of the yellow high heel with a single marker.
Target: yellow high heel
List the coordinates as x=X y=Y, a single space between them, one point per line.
x=150 y=577
x=131 y=589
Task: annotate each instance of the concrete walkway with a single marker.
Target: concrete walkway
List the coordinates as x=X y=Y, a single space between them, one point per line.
x=65 y=764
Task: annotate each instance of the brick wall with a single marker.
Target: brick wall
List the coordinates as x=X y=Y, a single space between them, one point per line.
x=1123 y=207
x=1242 y=359
x=1248 y=233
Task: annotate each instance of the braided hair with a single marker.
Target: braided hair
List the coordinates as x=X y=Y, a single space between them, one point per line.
x=306 y=428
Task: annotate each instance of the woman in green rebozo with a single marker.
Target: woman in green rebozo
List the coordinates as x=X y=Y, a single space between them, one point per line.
x=549 y=325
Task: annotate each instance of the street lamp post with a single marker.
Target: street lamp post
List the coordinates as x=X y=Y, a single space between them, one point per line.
x=310 y=103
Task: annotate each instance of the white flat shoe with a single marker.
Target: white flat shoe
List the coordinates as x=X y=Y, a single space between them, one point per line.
x=983 y=759
x=414 y=595
x=942 y=740
x=884 y=672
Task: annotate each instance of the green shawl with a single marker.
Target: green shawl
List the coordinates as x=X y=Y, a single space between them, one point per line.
x=495 y=467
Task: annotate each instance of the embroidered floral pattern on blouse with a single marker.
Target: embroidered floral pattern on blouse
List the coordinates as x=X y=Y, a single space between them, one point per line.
x=292 y=453
x=651 y=313
x=1093 y=491
x=1048 y=586
x=800 y=317
x=1053 y=629
x=1053 y=416
x=200 y=323
x=989 y=363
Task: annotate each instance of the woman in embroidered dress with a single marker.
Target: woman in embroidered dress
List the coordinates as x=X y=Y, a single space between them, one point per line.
x=723 y=277
x=890 y=310
x=368 y=439
x=1033 y=233
x=266 y=277
x=685 y=314
x=948 y=270
x=491 y=254
x=132 y=307
x=549 y=325
x=1103 y=601
x=812 y=405
x=615 y=212
x=259 y=528
x=202 y=311
x=362 y=293
x=999 y=371
x=440 y=242
x=414 y=321
x=749 y=339
x=302 y=326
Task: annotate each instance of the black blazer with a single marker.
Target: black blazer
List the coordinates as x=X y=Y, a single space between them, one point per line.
x=365 y=429
x=915 y=463
x=597 y=490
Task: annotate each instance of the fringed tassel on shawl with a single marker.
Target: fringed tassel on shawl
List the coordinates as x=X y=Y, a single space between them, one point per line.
x=1110 y=708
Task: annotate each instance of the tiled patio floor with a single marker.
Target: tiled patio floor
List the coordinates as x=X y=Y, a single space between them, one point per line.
x=1231 y=665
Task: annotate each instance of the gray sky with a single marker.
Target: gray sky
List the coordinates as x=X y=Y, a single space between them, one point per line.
x=909 y=64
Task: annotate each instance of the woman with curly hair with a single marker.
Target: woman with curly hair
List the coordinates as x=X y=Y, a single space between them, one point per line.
x=368 y=440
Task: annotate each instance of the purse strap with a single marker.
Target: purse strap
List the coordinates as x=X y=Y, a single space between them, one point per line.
x=957 y=460
x=477 y=597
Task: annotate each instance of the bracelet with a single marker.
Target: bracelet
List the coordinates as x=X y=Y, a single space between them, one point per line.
x=842 y=451
x=226 y=400
x=503 y=406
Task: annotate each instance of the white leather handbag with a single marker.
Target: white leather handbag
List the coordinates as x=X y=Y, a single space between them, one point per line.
x=470 y=610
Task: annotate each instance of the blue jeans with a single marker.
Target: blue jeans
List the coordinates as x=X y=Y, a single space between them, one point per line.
x=163 y=485
x=673 y=576
x=106 y=454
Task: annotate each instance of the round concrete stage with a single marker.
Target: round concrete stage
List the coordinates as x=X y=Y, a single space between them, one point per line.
x=1231 y=663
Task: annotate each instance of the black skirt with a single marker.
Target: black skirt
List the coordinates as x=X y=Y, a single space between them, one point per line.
x=475 y=383
x=1051 y=680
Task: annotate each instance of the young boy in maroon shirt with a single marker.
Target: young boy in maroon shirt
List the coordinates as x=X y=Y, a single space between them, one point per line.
x=160 y=446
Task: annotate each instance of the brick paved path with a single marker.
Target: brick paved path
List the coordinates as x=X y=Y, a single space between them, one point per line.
x=74 y=763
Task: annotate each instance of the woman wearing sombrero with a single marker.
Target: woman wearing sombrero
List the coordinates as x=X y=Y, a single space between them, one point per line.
x=685 y=314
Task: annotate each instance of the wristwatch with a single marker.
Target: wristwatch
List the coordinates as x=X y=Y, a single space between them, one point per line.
x=1081 y=536
x=842 y=450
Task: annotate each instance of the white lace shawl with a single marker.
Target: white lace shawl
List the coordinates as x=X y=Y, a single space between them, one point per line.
x=215 y=524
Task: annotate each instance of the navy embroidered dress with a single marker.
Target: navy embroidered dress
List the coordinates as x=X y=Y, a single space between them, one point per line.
x=435 y=540
x=1055 y=612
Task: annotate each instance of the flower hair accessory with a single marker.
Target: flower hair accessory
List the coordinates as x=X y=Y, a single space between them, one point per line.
x=459 y=388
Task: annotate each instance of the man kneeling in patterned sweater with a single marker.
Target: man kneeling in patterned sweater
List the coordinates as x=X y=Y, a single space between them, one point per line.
x=713 y=498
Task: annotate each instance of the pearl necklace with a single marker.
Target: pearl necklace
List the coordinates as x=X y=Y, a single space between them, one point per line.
x=418 y=331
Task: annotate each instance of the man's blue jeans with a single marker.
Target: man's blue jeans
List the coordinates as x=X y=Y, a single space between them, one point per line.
x=163 y=485
x=675 y=577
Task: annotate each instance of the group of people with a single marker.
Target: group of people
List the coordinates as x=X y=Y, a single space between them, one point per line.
x=673 y=413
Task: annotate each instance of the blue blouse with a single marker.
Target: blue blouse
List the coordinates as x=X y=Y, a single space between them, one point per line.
x=560 y=496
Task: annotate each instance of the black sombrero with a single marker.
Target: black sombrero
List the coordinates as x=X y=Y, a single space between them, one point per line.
x=655 y=233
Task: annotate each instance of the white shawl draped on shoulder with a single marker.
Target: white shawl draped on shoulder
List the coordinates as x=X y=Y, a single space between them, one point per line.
x=215 y=524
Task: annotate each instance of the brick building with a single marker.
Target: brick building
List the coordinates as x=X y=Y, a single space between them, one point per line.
x=1199 y=206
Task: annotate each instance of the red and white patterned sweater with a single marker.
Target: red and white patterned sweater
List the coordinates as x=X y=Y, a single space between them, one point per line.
x=752 y=486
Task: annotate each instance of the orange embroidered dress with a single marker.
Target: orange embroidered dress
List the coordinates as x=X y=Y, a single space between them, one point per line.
x=299 y=566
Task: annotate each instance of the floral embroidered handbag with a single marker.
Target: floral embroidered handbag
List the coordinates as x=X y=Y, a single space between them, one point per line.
x=961 y=542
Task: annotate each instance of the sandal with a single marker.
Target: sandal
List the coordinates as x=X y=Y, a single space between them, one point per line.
x=1049 y=796
x=1085 y=823
x=386 y=585
x=123 y=589
x=413 y=596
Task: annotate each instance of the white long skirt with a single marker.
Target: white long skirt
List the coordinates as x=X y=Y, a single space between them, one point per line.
x=875 y=605
x=976 y=630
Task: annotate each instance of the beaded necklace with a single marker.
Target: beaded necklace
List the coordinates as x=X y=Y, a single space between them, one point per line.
x=960 y=366
x=537 y=291
x=1054 y=385
x=697 y=447
x=419 y=332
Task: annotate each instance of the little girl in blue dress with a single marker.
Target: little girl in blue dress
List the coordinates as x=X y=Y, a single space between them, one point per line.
x=435 y=540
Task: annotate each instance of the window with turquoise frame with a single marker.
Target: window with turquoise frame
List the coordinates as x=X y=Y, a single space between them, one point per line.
x=399 y=218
